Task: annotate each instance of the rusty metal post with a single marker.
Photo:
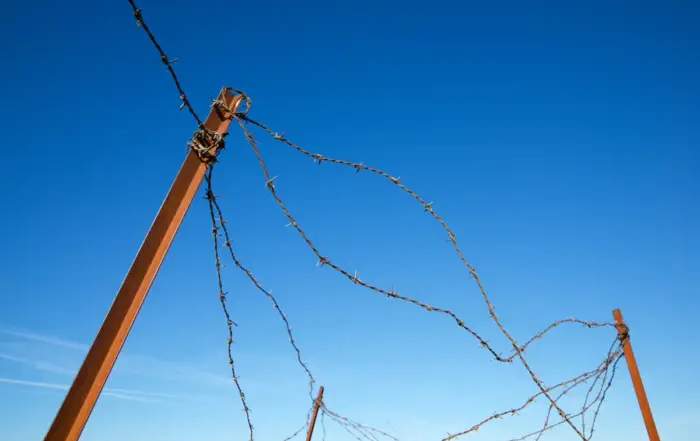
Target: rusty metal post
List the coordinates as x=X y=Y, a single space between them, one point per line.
x=88 y=383
x=317 y=405
x=636 y=377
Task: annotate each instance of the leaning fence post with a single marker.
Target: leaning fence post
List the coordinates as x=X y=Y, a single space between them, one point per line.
x=623 y=334
x=317 y=405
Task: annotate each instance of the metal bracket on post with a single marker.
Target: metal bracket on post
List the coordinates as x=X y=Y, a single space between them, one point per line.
x=75 y=410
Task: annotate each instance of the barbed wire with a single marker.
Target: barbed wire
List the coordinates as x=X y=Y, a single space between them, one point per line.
x=551 y=326
x=323 y=260
x=215 y=226
x=295 y=434
x=215 y=208
x=204 y=140
x=614 y=355
x=568 y=385
x=168 y=62
x=202 y=143
x=584 y=409
x=607 y=367
x=428 y=207
x=358 y=430
x=622 y=341
x=302 y=428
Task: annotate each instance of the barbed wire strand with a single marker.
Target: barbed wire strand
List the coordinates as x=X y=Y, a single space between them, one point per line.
x=588 y=394
x=553 y=325
x=203 y=136
x=323 y=425
x=354 y=278
x=596 y=413
x=352 y=428
x=428 y=207
x=356 y=430
x=222 y=295
x=138 y=14
x=517 y=349
x=325 y=261
x=295 y=434
x=570 y=384
x=366 y=433
x=228 y=244
x=613 y=353
x=612 y=361
x=347 y=421
x=585 y=409
x=214 y=206
x=349 y=430
x=301 y=429
x=305 y=426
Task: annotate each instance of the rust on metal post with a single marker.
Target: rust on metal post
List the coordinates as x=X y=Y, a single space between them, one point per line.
x=88 y=383
x=636 y=377
x=317 y=405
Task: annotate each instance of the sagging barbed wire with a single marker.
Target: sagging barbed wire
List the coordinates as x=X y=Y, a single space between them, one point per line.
x=323 y=260
x=204 y=141
x=361 y=432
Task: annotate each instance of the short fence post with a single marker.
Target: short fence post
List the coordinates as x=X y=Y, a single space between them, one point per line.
x=317 y=405
x=636 y=377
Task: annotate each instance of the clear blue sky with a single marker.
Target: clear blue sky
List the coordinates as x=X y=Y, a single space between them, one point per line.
x=560 y=140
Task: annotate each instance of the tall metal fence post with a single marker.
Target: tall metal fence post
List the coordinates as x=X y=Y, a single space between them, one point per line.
x=77 y=406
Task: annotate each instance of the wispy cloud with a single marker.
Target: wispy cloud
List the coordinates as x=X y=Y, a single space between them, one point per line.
x=142 y=393
x=121 y=394
x=45 y=339
x=50 y=367
x=125 y=394
x=38 y=364
x=129 y=364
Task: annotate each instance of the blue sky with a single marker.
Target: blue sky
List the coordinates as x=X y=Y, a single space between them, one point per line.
x=558 y=139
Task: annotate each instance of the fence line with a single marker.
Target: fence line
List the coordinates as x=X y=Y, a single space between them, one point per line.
x=325 y=261
x=202 y=141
